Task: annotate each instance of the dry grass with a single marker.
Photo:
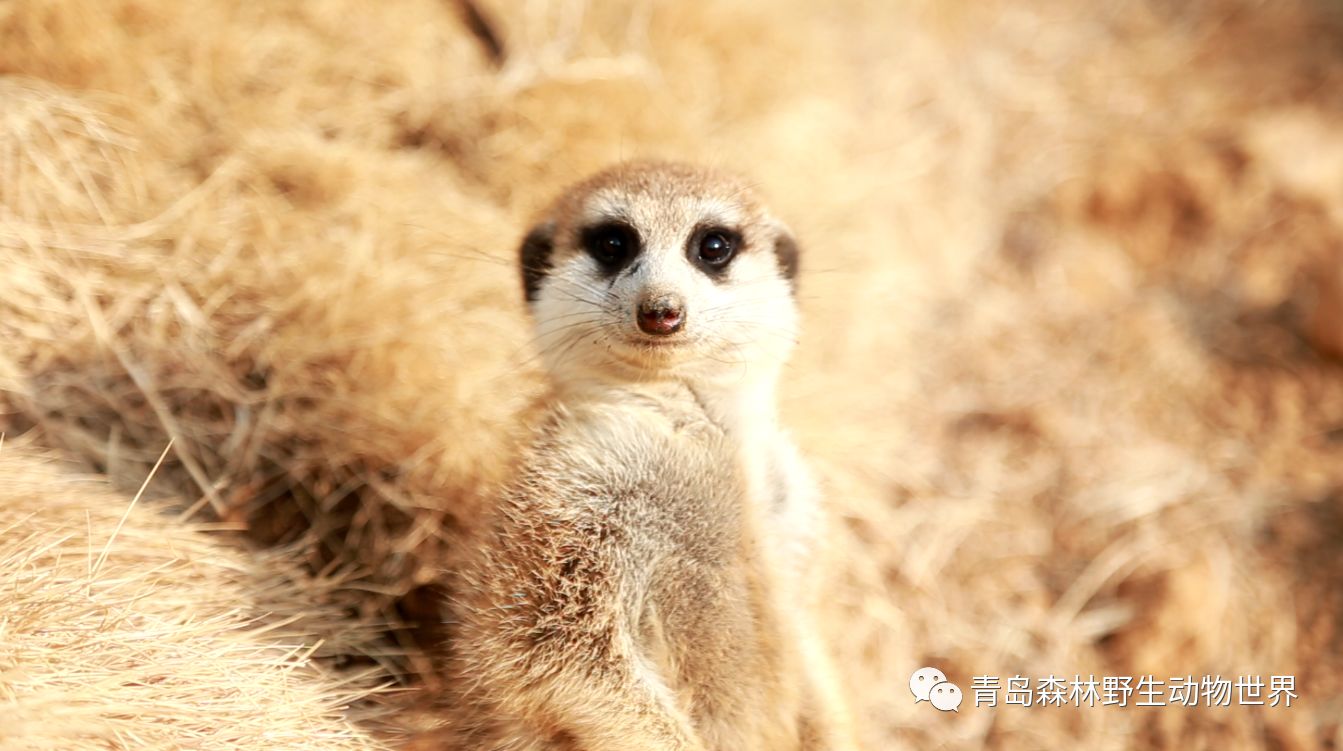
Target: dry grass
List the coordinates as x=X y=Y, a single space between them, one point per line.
x=125 y=628
x=1072 y=287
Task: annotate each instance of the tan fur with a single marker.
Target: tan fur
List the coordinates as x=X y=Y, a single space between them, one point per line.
x=642 y=584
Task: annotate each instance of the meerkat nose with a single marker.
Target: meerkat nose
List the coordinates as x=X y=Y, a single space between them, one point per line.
x=661 y=315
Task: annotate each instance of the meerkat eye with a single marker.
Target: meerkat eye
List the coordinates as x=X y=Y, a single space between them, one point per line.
x=612 y=244
x=715 y=248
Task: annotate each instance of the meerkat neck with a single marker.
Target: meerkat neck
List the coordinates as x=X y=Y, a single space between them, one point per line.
x=744 y=408
x=747 y=411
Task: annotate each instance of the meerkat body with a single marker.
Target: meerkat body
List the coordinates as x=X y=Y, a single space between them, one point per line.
x=643 y=584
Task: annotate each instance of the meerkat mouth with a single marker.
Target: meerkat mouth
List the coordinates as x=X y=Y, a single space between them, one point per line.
x=644 y=353
x=642 y=343
x=657 y=344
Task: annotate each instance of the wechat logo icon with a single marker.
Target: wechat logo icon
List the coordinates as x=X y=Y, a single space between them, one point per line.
x=931 y=685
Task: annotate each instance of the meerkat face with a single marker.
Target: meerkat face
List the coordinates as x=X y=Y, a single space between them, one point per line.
x=654 y=271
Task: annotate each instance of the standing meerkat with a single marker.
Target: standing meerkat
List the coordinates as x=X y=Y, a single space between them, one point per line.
x=643 y=584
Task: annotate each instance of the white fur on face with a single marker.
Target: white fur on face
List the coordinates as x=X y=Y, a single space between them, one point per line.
x=742 y=322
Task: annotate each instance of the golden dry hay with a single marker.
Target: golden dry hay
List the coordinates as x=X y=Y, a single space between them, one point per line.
x=1071 y=363
x=125 y=628
x=306 y=362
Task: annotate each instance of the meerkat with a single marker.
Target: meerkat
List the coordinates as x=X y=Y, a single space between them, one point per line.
x=644 y=582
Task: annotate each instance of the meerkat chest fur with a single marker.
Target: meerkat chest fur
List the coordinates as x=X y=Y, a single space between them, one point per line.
x=634 y=588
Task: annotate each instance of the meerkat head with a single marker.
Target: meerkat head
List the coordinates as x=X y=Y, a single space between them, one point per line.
x=652 y=271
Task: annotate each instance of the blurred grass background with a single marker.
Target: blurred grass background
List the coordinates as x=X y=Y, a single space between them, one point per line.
x=1072 y=289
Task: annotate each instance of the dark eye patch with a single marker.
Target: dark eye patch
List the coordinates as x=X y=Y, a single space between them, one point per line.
x=613 y=245
x=712 y=247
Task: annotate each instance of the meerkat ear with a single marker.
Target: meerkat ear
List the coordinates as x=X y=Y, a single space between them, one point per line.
x=534 y=258
x=785 y=251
